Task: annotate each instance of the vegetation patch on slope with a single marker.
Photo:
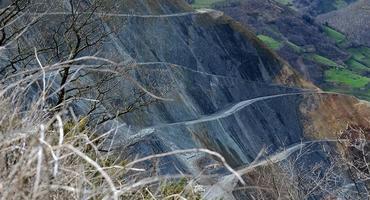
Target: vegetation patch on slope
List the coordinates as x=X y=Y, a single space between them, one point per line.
x=323 y=60
x=353 y=78
x=204 y=3
x=347 y=77
x=340 y=4
x=270 y=42
x=285 y=2
x=288 y=3
x=295 y=47
x=337 y=36
x=357 y=67
x=361 y=54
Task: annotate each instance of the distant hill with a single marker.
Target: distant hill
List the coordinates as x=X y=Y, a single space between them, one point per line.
x=322 y=53
x=291 y=34
x=317 y=7
x=311 y=7
x=352 y=20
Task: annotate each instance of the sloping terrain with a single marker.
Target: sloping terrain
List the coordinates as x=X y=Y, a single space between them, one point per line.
x=317 y=7
x=352 y=20
x=297 y=37
x=309 y=7
x=221 y=88
x=215 y=65
x=322 y=54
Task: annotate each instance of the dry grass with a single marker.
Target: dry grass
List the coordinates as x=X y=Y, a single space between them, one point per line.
x=56 y=159
x=49 y=155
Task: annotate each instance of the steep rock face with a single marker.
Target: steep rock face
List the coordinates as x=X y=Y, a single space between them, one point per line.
x=215 y=67
x=228 y=91
x=352 y=20
x=297 y=34
x=218 y=71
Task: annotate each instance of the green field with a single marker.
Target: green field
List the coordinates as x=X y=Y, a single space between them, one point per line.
x=361 y=55
x=335 y=35
x=270 y=42
x=285 y=2
x=354 y=78
x=204 y=3
x=357 y=67
x=340 y=4
x=295 y=47
x=347 y=77
x=323 y=60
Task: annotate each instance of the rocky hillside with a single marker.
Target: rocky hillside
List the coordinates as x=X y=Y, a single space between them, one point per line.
x=209 y=82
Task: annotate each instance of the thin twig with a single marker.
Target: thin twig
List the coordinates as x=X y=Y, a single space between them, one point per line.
x=39 y=161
